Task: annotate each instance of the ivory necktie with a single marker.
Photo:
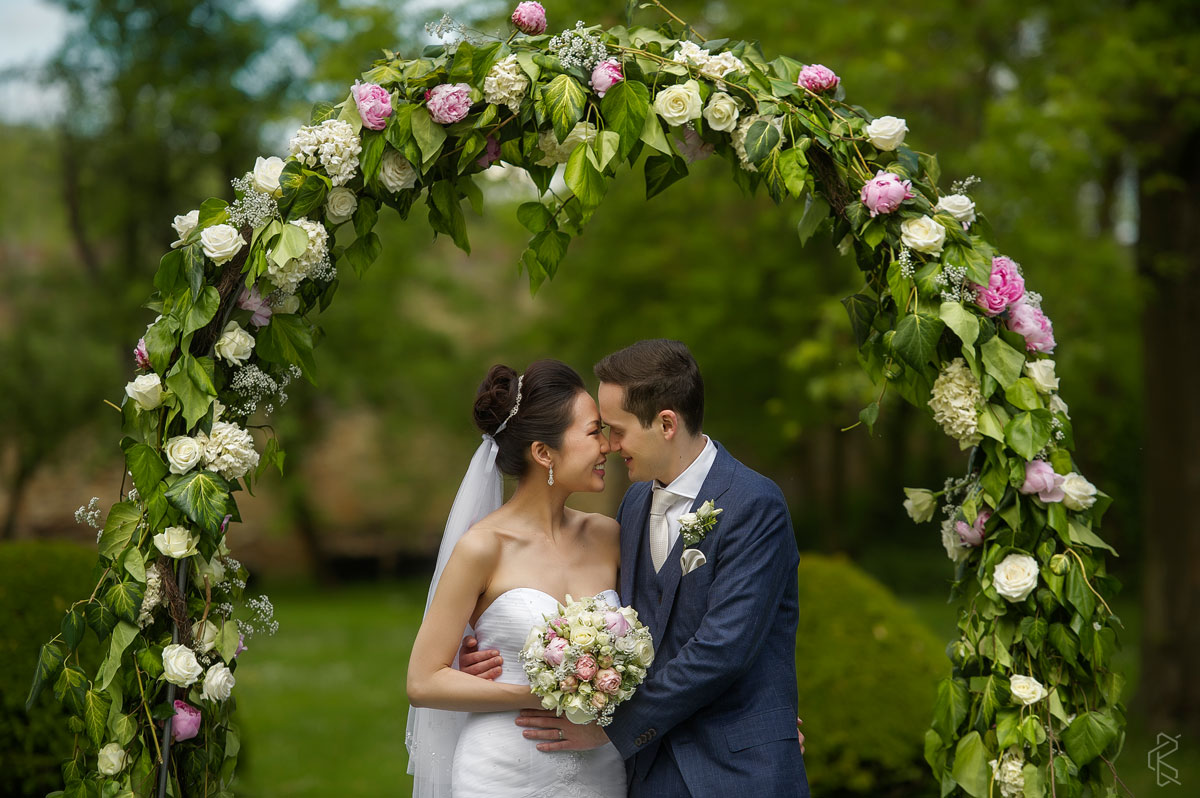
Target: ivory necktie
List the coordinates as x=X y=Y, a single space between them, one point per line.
x=658 y=525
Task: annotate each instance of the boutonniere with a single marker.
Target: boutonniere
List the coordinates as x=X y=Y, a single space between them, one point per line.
x=694 y=526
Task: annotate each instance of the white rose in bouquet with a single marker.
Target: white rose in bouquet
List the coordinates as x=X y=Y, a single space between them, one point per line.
x=923 y=234
x=1078 y=493
x=920 y=504
x=679 y=104
x=1027 y=689
x=206 y=635
x=960 y=206
x=221 y=242
x=235 y=344
x=183 y=225
x=183 y=453
x=1057 y=405
x=176 y=542
x=218 y=683
x=180 y=667
x=643 y=650
x=721 y=113
x=340 y=205
x=146 y=391
x=395 y=172
x=1015 y=576
x=111 y=759
x=887 y=132
x=265 y=176
x=1042 y=374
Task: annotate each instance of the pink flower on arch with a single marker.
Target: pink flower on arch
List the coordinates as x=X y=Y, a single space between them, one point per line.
x=186 y=723
x=973 y=534
x=1032 y=323
x=530 y=18
x=1042 y=479
x=818 y=78
x=1005 y=287
x=884 y=192
x=449 y=102
x=605 y=75
x=141 y=357
x=374 y=104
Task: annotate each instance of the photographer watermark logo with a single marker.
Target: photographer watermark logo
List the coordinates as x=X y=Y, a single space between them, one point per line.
x=1156 y=759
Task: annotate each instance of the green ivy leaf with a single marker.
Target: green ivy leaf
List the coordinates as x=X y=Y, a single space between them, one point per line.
x=365 y=216
x=150 y=660
x=663 y=171
x=292 y=243
x=816 y=211
x=123 y=634
x=201 y=496
x=583 y=178
x=1028 y=432
x=309 y=197
x=213 y=211
x=1023 y=394
x=363 y=252
x=917 y=337
x=1065 y=641
x=1034 y=787
x=1081 y=534
x=430 y=136
x=793 y=166
x=970 y=768
x=146 y=465
x=1008 y=728
x=652 y=133
x=227 y=640
x=1002 y=361
x=70 y=689
x=1079 y=594
x=565 y=100
x=861 y=309
x=202 y=310
x=191 y=379
x=950 y=709
x=372 y=154
x=96 y=705
x=100 y=618
x=50 y=660
x=1089 y=735
x=288 y=340
x=125 y=599
x=550 y=246
x=772 y=177
x=118 y=528
x=446 y=215
x=869 y=415
x=161 y=340
x=534 y=216
x=73 y=627
x=761 y=139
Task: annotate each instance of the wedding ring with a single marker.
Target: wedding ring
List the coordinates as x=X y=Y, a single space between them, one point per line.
x=561 y=736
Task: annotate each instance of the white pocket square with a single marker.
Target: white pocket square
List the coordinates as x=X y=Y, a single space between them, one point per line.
x=690 y=560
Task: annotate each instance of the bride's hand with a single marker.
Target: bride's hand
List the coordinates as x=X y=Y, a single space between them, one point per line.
x=484 y=664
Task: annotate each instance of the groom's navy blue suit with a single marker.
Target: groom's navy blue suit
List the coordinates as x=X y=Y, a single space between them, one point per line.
x=716 y=715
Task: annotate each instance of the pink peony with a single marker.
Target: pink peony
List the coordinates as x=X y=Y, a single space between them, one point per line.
x=254 y=302
x=693 y=148
x=585 y=667
x=616 y=624
x=241 y=645
x=530 y=18
x=817 y=78
x=554 y=652
x=884 y=192
x=449 y=102
x=1030 y=322
x=1041 y=478
x=141 y=357
x=374 y=104
x=1005 y=287
x=973 y=534
x=491 y=153
x=608 y=681
x=569 y=684
x=606 y=75
x=186 y=723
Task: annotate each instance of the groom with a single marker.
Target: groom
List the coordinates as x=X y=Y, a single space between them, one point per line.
x=716 y=714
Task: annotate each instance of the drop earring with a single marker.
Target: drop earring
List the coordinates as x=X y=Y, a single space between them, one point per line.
x=550 y=480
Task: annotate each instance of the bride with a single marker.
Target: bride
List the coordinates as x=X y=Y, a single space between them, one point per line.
x=500 y=569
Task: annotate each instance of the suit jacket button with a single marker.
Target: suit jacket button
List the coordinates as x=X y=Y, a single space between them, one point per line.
x=652 y=732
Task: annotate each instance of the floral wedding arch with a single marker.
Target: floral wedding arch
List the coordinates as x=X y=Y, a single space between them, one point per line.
x=1032 y=706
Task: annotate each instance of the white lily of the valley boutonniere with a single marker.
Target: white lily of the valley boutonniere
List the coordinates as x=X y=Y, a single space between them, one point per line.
x=694 y=526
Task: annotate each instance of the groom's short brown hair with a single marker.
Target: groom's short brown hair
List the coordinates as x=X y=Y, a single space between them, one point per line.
x=658 y=374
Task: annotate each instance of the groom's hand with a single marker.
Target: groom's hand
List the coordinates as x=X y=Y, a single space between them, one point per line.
x=484 y=664
x=800 y=734
x=558 y=733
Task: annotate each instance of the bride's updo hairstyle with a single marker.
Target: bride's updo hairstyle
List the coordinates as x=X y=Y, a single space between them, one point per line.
x=548 y=391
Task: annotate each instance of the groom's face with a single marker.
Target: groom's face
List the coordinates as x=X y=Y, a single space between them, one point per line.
x=643 y=449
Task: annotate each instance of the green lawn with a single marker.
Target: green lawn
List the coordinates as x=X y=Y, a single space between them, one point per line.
x=322 y=706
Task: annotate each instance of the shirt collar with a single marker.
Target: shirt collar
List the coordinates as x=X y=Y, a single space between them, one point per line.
x=689 y=483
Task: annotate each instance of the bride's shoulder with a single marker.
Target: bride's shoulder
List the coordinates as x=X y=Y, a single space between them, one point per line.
x=480 y=543
x=600 y=524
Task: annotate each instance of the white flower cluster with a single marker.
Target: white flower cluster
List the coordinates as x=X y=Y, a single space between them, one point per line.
x=313 y=263
x=1007 y=771
x=955 y=402
x=739 y=136
x=445 y=28
x=1033 y=299
x=256 y=385
x=717 y=66
x=90 y=514
x=228 y=450
x=332 y=144
x=905 y=260
x=578 y=48
x=152 y=597
x=961 y=186
x=263 y=620
x=954 y=284
x=506 y=84
x=253 y=208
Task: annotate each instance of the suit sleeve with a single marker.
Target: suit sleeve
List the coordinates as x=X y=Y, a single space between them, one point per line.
x=757 y=558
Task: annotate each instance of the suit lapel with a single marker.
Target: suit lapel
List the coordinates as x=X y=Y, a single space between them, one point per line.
x=633 y=532
x=715 y=484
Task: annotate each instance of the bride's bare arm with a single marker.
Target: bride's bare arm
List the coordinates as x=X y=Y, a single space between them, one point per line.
x=432 y=679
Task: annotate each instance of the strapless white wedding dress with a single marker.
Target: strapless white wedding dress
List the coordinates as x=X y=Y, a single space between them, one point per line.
x=493 y=758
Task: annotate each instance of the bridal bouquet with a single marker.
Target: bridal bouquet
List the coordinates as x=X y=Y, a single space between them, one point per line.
x=587 y=658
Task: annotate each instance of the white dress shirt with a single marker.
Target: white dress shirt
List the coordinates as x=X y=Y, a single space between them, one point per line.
x=687 y=487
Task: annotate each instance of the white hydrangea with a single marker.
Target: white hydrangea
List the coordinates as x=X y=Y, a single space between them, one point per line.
x=739 y=136
x=717 y=66
x=229 y=450
x=556 y=153
x=333 y=144
x=1007 y=771
x=506 y=84
x=955 y=402
x=289 y=275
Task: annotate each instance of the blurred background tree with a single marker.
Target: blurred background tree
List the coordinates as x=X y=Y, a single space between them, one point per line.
x=1081 y=118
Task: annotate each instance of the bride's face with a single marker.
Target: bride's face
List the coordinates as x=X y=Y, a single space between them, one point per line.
x=579 y=461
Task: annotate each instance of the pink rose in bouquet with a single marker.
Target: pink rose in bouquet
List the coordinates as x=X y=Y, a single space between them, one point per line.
x=1005 y=287
x=1041 y=478
x=608 y=681
x=605 y=75
x=884 y=192
x=585 y=667
x=449 y=102
x=973 y=534
x=530 y=18
x=555 y=651
x=186 y=723
x=569 y=684
x=374 y=104
x=1032 y=323
x=818 y=78
x=616 y=624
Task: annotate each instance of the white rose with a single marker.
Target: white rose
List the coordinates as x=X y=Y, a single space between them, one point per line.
x=679 y=104
x=1027 y=689
x=221 y=242
x=112 y=759
x=1042 y=374
x=395 y=172
x=721 y=113
x=340 y=205
x=887 y=132
x=179 y=665
x=146 y=391
x=626 y=644
x=960 y=206
x=234 y=345
x=183 y=453
x=184 y=225
x=1057 y=405
x=176 y=542
x=265 y=176
x=1078 y=493
x=218 y=683
x=545 y=681
x=206 y=636
x=289 y=304
x=688 y=519
x=644 y=652
x=1015 y=576
x=629 y=614
x=583 y=635
x=214 y=570
x=923 y=234
x=578 y=710
x=920 y=504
